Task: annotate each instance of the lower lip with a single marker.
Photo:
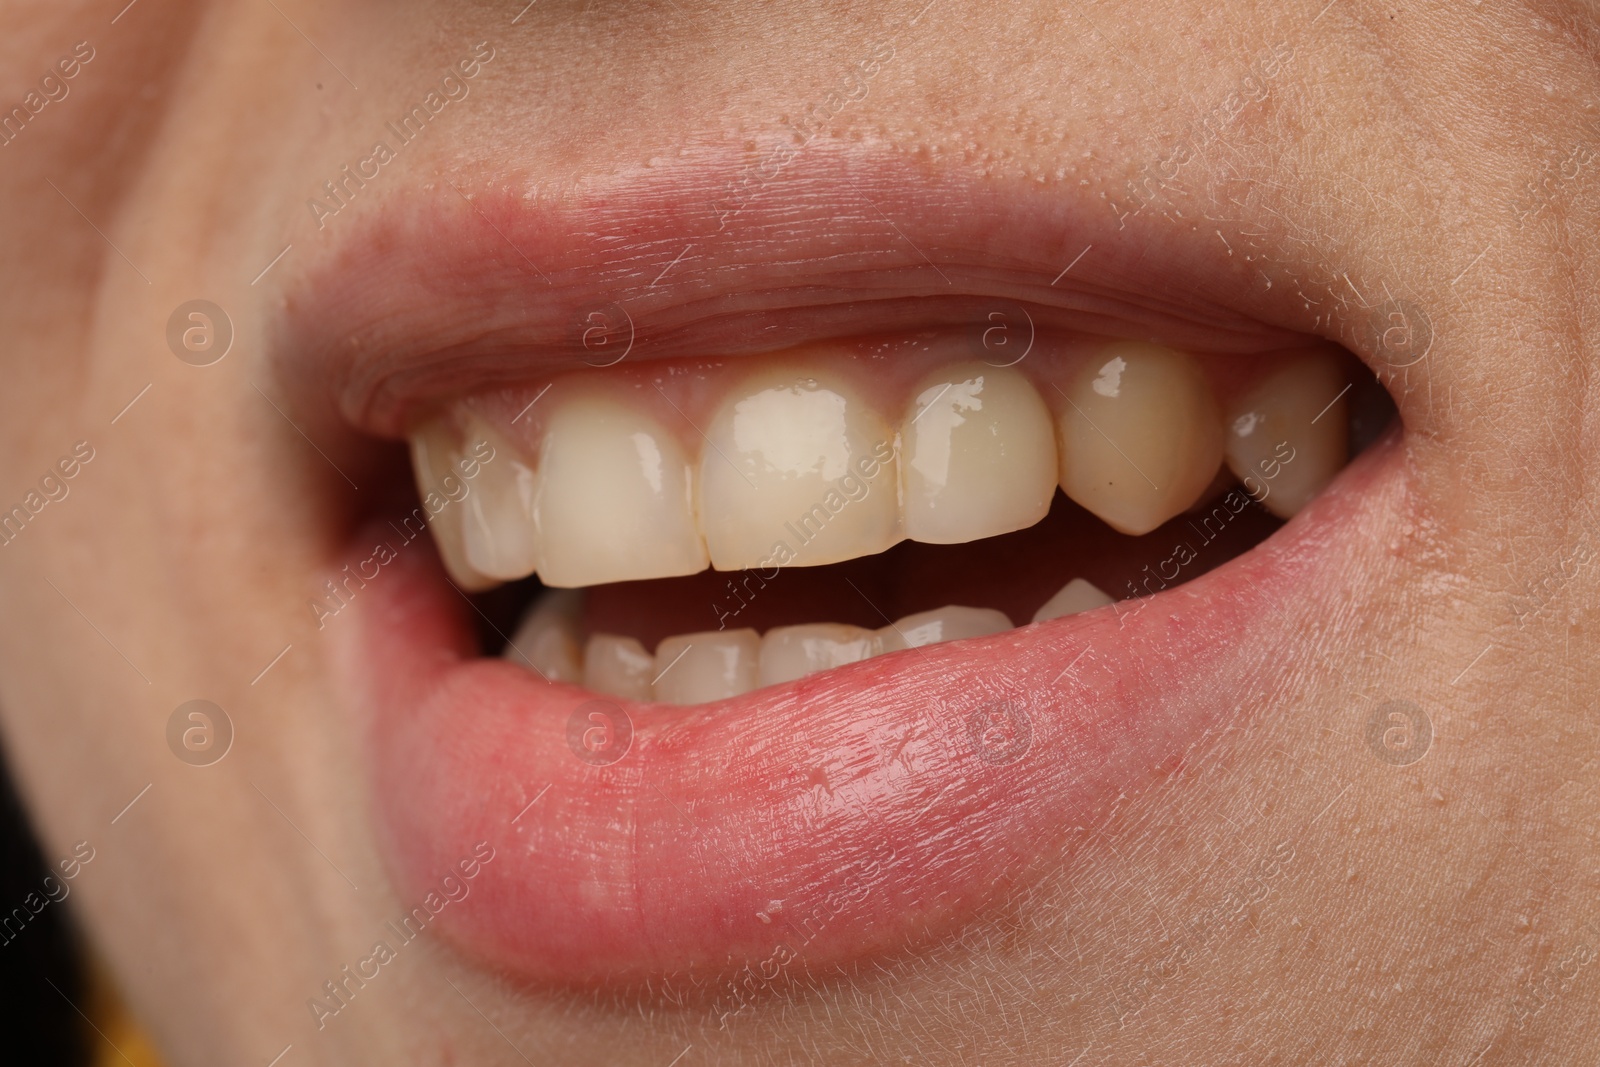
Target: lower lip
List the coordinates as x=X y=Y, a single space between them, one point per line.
x=808 y=824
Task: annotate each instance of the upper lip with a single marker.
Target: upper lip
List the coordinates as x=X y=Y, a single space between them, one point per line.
x=662 y=862
x=471 y=285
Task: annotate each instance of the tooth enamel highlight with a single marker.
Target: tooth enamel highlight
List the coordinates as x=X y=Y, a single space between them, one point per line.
x=797 y=471
x=498 y=534
x=615 y=499
x=619 y=667
x=978 y=456
x=791 y=652
x=1140 y=436
x=951 y=623
x=434 y=464
x=716 y=665
x=1273 y=446
x=547 y=638
x=1077 y=595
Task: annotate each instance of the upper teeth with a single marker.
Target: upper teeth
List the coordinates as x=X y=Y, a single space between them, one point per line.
x=980 y=456
x=1142 y=437
x=797 y=462
x=615 y=496
x=794 y=465
x=1288 y=436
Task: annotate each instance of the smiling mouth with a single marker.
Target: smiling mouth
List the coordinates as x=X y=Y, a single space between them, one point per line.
x=702 y=529
x=822 y=622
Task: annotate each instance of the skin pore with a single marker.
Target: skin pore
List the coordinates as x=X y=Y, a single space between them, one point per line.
x=1292 y=891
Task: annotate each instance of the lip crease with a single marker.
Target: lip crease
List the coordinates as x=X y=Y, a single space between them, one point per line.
x=852 y=812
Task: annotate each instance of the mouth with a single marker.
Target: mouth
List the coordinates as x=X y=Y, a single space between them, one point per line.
x=806 y=605
x=701 y=529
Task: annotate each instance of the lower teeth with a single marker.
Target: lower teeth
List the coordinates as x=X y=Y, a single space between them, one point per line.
x=650 y=640
x=719 y=664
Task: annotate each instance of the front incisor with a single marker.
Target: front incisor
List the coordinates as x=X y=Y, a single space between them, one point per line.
x=618 y=667
x=798 y=470
x=715 y=665
x=615 y=499
x=953 y=622
x=547 y=639
x=791 y=652
x=1080 y=594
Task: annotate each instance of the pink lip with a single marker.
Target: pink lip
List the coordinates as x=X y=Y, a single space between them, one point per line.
x=854 y=812
x=860 y=801
x=427 y=294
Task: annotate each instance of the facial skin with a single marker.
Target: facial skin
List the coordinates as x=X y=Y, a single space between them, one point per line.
x=1286 y=896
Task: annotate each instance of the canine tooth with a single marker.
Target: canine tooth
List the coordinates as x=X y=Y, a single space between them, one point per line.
x=797 y=471
x=696 y=668
x=435 y=461
x=950 y=623
x=619 y=667
x=498 y=533
x=1077 y=595
x=978 y=456
x=615 y=499
x=1141 y=437
x=547 y=638
x=791 y=652
x=1290 y=435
